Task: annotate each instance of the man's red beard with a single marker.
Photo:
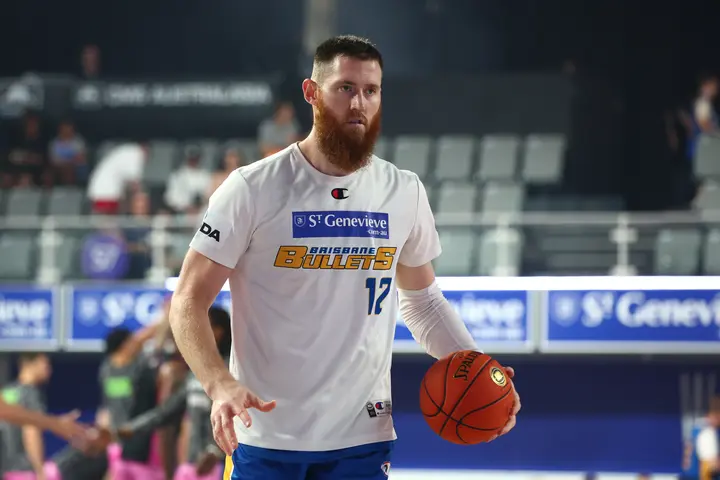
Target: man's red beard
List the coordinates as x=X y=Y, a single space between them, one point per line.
x=345 y=147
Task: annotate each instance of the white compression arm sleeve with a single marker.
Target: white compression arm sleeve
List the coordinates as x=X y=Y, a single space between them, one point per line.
x=433 y=322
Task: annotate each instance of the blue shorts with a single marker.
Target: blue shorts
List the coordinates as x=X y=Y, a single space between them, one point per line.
x=364 y=462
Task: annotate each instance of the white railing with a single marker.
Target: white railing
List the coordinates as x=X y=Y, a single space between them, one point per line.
x=623 y=229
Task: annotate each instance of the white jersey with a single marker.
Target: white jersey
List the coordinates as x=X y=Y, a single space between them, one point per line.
x=314 y=301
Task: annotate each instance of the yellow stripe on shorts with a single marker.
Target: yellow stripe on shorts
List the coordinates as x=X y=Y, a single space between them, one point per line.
x=227 y=473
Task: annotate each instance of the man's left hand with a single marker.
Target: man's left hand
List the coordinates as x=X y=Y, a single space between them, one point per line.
x=516 y=407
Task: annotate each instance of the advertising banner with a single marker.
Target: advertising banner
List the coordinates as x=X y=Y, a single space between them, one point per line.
x=29 y=318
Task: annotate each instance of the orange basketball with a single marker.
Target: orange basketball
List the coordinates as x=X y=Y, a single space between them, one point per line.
x=466 y=397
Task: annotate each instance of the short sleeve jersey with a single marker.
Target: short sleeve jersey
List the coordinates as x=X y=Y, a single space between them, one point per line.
x=14 y=458
x=314 y=301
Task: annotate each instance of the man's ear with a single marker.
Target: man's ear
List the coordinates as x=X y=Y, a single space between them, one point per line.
x=310 y=91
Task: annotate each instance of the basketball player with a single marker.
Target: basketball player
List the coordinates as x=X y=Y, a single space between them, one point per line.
x=316 y=241
x=64 y=426
x=129 y=389
x=201 y=453
x=23 y=447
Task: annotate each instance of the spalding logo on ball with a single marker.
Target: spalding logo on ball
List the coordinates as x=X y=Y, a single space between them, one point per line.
x=498 y=376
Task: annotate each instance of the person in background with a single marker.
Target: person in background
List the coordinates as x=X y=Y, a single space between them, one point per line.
x=707 y=444
x=704 y=117
x=187 y=185
x=200 y=454
x=276 y=133
x=120 y=168
x=129 y=389
x=90 y=62
x=64 y=426
x=27 y=161
x=23 y=447
x=232 y=160
x=137 y=238
x=67 y=155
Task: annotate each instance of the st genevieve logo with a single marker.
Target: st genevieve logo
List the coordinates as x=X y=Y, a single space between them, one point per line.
x=335 y=258
x=498 y=376
x=209 y=231
x=339 y=193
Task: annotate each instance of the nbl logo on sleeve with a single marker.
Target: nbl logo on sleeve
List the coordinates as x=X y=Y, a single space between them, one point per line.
x=338 y=224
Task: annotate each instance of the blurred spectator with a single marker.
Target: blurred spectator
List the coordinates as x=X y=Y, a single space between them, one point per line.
x=704 y=118
x=279 y=131
x=707 y=443
x=137 y=238
x=27 y=163
x=90 y=62
x=187 y=185
x=67 y=155
x=231 y=162
x=121 y=168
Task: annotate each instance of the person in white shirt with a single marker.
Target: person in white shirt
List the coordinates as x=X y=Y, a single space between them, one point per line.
x=316 y=241
x=187 y=185
x=121 y=168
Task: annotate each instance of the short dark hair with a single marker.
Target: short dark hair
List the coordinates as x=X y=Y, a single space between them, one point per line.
x=28 y=357
x=346 y=46
x=115 y=339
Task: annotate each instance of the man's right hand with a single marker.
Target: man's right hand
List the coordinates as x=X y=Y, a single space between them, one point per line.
x=230 y=400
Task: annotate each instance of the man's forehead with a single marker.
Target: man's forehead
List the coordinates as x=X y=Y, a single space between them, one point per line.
x=354 y=70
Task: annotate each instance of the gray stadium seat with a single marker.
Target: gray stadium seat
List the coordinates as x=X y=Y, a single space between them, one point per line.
x=500 y=252
x=413 y=153
x=503 y=197
x=163 y=158
x=454 y=157
x=65 y=201
x=677 y=252
x=711 y=253
x=707 y=157
x=16 y=252
x=544 y=156
x=498 y=157
x=457 y=198
x=458 y=247
x=709 y=196
x=382 y=148
x=24 y=201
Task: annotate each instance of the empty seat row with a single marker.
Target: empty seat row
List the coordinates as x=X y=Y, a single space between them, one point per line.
x=687 y=251
x=461 y=197
x=466 y=251
x=33 y=201
x=537 y=159
x=448 y=197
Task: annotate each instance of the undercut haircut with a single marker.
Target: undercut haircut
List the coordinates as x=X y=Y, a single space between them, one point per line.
x=350 y=46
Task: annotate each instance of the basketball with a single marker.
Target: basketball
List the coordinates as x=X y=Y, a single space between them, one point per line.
x=466 y=398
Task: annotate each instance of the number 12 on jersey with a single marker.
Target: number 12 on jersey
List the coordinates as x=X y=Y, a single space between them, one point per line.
x=377 y=291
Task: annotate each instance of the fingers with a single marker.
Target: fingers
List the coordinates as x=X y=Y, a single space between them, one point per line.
x=262 y=405
x=509 y=371
x=74 y=415
x=508 y=426
x=517 y=406
x=224 y=429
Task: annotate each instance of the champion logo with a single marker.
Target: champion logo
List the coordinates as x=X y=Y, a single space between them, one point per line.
x=339 y=193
